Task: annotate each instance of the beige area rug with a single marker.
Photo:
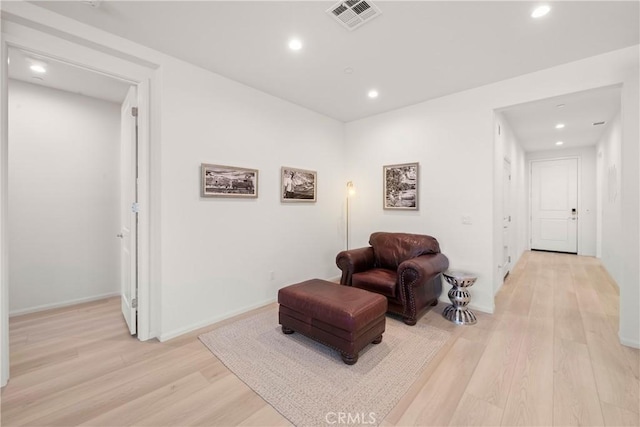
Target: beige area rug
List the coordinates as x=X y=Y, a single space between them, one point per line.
x=309 y=384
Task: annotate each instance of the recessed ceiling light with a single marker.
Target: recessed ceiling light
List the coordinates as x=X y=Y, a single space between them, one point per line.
x=37 y=68
x=540 y=11
x=560 y=105
x=295 y=44
x=373 y=93
x=559 y=125
x=559 y=143
x=348 y=70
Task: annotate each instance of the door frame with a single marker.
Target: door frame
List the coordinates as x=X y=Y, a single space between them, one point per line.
x=144 y=77
x=506 y=209
x=128 y=215
x=579 y=203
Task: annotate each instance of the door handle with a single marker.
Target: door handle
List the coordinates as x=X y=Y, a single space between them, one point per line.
x=120 y=235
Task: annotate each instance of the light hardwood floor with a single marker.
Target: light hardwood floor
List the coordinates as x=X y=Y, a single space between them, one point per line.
x=548 y=356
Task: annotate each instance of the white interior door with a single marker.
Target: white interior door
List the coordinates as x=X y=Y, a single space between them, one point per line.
x=554 y=205
x=506 y=218
x=128 y=209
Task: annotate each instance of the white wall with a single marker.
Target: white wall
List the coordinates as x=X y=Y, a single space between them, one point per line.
x=609 y=207
x=455 y=180
x=453 y=139
x=63 y=197
x=4 y=181
x=520 y=198
x=218 y=253
x=513 y=152
x=587 y=206
x=630 y=219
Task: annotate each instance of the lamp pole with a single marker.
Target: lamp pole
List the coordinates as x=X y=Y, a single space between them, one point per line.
x=350 y=192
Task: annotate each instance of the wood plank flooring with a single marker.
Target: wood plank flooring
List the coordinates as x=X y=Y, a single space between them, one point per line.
x=549 y=356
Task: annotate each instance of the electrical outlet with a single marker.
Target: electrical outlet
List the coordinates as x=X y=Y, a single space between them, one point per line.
x=466 y=219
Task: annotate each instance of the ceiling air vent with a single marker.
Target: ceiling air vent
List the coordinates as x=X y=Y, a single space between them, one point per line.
x=353 y=13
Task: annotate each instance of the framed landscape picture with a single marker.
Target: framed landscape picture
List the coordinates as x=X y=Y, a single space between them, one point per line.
x=400 y=186
x=228 y=181
x=298 y=185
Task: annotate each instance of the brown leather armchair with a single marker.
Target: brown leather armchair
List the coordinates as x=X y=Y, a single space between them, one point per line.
x=406 y=268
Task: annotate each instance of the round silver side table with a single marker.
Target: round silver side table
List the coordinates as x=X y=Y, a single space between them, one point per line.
x=457 y=312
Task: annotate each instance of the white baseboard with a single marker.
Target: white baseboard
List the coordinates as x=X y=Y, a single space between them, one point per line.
x=61 y=304
x=208 y=322
x=482 y=308
x=474 y=307
x=634 y=343
x=176 y=333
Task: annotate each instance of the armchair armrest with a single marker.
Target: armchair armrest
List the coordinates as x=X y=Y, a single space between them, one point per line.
x=354 y=261
x=424 y=267
x=419 y=284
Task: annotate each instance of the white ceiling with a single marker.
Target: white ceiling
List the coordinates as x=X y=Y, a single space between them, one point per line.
x=534 y=123
x=63 y=76
x=414 y=51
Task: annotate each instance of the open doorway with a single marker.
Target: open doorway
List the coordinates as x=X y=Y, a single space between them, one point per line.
x=581 y=133
x=138 y=73
x=64 y=183
x=71 y=152
x=561 y=137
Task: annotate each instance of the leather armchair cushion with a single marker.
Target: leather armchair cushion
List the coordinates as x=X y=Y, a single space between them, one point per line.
x=392 y=249
x=378 y=280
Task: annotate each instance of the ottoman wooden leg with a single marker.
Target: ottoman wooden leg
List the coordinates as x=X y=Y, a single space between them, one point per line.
x=349 y=359
x=377 y=340
x=286 y=330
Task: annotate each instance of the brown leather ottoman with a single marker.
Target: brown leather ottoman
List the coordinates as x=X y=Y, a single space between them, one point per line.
x=344 y=318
